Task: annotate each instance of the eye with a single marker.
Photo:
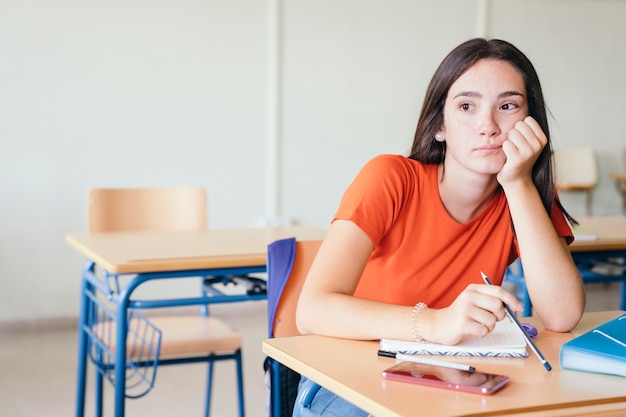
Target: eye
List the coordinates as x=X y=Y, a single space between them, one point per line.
x=466 y=107
x=509 y=106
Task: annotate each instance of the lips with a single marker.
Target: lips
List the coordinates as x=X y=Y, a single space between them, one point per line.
x=489 y=148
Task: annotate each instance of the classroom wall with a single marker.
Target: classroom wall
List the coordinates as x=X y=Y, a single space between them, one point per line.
x=272 y=106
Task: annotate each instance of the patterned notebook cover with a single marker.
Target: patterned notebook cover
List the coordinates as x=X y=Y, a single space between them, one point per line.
x=505 y=340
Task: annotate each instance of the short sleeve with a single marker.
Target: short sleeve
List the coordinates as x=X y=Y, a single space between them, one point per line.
x=376 y=196
x=560 y=224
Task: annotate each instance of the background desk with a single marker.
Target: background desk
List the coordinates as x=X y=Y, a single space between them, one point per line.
x=148 y=256
x=352 y=370
x=610 y=242
x=136 y=252
x=609 y=230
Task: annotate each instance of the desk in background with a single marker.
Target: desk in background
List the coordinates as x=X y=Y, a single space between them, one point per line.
x=352 y=369
x=609 y=243
x=609 y=249
x=148 y=256
x=610 y=233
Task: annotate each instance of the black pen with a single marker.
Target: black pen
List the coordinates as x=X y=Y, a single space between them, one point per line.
x=530 y=343
x=426 y=361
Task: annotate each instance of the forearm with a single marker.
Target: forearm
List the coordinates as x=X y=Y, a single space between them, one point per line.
x=552 y=279
x=327 y=306
x=341 y=315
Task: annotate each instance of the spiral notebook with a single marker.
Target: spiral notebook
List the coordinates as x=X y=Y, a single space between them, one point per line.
x=505 y=340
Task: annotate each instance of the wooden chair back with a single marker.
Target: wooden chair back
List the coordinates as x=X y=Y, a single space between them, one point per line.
x=576 y=168
x=146 y=209
x=577 y=171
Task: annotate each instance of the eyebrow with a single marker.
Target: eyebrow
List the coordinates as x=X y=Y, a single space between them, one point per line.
x=478 y=95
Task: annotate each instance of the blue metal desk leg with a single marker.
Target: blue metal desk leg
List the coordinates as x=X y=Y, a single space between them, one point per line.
x=81 y=374
x=120 y=356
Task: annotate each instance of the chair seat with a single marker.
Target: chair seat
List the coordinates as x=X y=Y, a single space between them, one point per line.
x=180 y=336
x=195 y=334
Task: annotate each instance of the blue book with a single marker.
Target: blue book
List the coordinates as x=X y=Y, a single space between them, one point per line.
x=601 y=350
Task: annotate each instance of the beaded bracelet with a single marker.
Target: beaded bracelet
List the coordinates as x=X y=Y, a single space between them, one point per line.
x=416 y=310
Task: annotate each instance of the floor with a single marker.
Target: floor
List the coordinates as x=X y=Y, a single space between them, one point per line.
x=37 y=370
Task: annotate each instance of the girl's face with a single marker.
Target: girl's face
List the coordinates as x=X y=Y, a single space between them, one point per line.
x=482 y=106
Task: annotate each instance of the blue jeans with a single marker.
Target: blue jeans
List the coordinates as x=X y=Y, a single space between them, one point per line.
x=327 y=404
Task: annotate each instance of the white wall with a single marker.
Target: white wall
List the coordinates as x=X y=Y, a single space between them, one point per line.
x=163 y=92
x=578 y=49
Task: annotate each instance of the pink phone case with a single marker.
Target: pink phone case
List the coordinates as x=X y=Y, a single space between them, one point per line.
x=440 y=377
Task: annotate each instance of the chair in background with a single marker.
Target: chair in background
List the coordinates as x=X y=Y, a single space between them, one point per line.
x=288 y=262
x=620 y=182
x=159 y=339
x=576 y=171
x=146 y=209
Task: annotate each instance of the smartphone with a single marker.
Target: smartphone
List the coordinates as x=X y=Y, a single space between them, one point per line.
x=438 y=376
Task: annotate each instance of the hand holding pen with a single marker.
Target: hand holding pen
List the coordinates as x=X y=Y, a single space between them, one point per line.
x=529 y=342
x=474 y=313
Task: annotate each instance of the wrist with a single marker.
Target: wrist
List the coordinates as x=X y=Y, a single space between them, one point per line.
x=417 y=321
x=522 y=184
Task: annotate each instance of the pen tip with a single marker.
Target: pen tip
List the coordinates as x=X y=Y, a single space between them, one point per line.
x=483 y=274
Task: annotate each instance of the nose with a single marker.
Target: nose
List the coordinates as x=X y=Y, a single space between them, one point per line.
x=489 y=126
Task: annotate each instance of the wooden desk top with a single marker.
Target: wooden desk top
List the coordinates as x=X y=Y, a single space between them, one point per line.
x=352 y=370
x=610 y=230
x=134 y=252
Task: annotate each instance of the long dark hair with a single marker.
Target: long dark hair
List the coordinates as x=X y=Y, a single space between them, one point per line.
x=429 y=151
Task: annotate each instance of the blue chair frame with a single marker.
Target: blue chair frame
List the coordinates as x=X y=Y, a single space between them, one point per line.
x=93 y=283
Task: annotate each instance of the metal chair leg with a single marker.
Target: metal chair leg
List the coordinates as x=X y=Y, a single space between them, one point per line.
x=239 y=362
x=99 y=393
x=588 y=205
x=209 y=386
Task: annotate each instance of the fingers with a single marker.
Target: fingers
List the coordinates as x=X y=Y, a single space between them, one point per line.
x=485 y=303
x=459 y=320
x=522 y=147
x=532 y=123
x=474 y=312
x=527 y=137
x=504 y=297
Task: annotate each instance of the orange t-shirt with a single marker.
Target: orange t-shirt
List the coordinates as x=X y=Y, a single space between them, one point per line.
x=420 y=252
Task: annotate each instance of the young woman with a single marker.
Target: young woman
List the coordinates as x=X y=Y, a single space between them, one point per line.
x=403 y=254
